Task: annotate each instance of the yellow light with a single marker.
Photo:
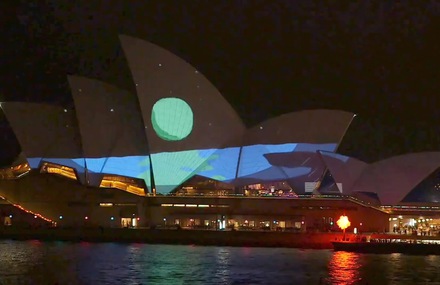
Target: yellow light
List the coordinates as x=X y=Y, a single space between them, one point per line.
x=343 y=222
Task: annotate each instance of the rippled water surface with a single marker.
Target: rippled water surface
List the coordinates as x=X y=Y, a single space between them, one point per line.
x=36 y=262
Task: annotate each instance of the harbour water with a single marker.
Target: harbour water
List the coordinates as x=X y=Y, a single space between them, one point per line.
x=34 y=262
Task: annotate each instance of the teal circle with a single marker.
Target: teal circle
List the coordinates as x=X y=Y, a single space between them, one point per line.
x=172 y=119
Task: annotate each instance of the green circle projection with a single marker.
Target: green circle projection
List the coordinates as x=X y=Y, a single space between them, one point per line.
x=172 y=119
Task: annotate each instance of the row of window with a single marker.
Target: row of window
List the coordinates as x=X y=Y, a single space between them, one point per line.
x=194 y=205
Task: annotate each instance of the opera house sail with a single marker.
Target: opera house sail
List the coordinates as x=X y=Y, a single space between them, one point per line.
x=177 y=126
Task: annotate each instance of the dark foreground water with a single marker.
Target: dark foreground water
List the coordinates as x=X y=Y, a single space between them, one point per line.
x=34 y=262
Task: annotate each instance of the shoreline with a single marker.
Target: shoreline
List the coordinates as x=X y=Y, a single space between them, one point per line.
x=178 y=237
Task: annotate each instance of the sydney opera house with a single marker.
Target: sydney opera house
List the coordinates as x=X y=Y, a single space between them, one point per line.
x=176 y=153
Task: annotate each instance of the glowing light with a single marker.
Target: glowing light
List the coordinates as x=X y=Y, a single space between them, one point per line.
x=61 y=217
x=344 y=268
x=86 y=218
x=172 y=119
x=36 y=215
x=343 y=222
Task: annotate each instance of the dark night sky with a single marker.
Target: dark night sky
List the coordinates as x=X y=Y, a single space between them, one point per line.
x=380 y=60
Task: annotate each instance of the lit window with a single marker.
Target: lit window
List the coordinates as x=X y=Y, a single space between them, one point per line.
x=166 y=205
x=122 y=183
x=60 y=170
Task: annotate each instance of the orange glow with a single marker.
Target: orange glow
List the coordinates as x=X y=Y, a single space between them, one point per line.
x=344 y=268
x=343 y=222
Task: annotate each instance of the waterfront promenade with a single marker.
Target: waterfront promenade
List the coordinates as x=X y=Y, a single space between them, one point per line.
x=168 y=236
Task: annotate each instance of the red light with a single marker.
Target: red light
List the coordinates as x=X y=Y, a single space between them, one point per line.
x=35 y=214
x=86 y=218
x=138 y=219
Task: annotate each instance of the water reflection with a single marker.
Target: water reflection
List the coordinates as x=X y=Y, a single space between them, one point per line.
x=223 y=264
x=111 y=263
x=344 y=268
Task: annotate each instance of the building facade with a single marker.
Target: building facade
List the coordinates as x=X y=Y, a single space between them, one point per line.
x=118 y=159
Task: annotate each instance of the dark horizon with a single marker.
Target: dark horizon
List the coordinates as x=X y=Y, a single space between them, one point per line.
x=267 y=58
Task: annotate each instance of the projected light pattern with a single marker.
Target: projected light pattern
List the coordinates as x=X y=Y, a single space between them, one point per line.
x=75 y=163
x=129 y=166
x=172 y=119
x=34 y=162
x=253 y=162
x=171 y=169
x=305 y=162
x=256 y=163
x=221 y=165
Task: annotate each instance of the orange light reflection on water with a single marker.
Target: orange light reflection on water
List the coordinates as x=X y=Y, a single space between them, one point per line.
x=344 y=268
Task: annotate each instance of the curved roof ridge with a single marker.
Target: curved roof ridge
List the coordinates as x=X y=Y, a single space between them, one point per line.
x=393 y=178
x=344 y=169
x=302 y=111
x=318 y=126
x=405 y=156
